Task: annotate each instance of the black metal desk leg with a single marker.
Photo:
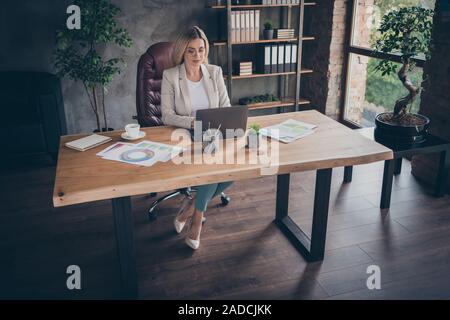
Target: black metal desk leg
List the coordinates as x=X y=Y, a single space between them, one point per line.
x=388 y=175
x=282 y=204
x=123 y=222
x=348 y=173
x=444 y=166
x=313 y=248
x=320 y=215
x=398 y=166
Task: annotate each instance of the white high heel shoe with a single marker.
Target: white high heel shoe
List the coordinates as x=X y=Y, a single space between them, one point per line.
x=177 y=224
x=194 y=244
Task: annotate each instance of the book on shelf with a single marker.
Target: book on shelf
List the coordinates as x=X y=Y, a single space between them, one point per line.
x=88 y=142
x=243 y=68
x=284 y=33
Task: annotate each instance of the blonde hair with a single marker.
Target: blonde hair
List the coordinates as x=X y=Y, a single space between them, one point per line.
x=182 y=43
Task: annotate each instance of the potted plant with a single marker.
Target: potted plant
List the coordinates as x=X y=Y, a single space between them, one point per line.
x=253 y=136
x=268 y=30
x=406 y=31
x=78 y=55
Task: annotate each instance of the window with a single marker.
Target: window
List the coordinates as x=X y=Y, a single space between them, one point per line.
x=367 y=92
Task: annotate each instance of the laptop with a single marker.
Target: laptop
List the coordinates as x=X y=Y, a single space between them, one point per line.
x=233 y=118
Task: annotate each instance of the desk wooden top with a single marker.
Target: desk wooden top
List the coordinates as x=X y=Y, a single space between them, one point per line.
x=83 y=177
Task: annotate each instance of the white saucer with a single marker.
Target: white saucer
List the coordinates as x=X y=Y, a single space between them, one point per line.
x=126 y=137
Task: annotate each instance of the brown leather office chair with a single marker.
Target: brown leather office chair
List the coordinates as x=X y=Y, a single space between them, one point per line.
x=148 y=102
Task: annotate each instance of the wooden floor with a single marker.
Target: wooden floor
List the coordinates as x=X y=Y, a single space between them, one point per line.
x=242 y=254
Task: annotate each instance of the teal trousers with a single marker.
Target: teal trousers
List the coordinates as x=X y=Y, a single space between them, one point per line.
x=208 y=191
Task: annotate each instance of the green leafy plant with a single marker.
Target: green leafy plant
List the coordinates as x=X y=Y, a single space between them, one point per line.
x=407 y=32
x=258 y=99
x=268 y=25
x=77 y=53
x=255 y=128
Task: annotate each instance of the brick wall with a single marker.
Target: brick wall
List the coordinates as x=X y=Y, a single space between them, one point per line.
x=326 y=56
x=316 y=54
x=435 y=102
x=337 y=49
x=357 y=82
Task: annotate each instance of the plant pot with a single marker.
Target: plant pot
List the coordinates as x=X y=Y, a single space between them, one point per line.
x=390 y=132
x=104 y=130
x=268 y=34
x=253 y=141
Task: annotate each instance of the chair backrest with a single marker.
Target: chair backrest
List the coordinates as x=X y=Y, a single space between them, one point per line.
x=148 y=85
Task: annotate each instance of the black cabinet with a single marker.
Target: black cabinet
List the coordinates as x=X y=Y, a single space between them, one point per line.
x=32 y=114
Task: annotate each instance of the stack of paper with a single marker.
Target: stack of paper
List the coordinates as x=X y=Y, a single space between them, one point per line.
x=145 y=153
x=288 y=131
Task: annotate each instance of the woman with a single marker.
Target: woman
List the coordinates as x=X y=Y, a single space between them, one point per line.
x=191 y=85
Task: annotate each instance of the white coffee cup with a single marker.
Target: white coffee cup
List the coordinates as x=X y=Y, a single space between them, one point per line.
x=132 y=130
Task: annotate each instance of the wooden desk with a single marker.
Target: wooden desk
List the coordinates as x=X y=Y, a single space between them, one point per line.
x=83 y=177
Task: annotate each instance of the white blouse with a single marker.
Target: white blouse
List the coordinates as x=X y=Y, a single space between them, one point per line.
x=199 y=97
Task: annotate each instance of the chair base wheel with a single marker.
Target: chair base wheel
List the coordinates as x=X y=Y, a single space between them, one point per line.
x=225 y=200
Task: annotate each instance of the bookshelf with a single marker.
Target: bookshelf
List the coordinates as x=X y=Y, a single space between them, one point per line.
x=256 y=6
x=284 y=78
x=224 y=42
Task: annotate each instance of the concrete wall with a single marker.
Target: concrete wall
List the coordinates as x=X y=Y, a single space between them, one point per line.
x=27 y=33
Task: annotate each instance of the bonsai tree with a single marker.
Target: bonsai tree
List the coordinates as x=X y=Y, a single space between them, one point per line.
x=407 y=32
x=77 y=56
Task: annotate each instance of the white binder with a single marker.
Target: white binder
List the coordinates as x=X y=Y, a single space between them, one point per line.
x=242 y=14
x=274 y=62
x=257 y=13
x=252 y=25
x=281 y=58
x=233 y=26
x=238 y=25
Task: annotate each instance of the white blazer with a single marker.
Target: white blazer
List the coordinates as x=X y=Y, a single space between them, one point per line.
x=175 y=100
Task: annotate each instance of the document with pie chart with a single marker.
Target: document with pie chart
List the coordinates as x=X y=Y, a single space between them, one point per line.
x=146 y=153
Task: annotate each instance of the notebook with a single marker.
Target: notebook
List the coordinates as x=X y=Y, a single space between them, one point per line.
x=88 y=142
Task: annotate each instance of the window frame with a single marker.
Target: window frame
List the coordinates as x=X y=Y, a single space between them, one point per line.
x=353 y=49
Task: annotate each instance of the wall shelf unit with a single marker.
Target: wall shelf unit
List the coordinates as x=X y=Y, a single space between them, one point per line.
x=287 y=19
x=224 y=43
x=257 y=6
